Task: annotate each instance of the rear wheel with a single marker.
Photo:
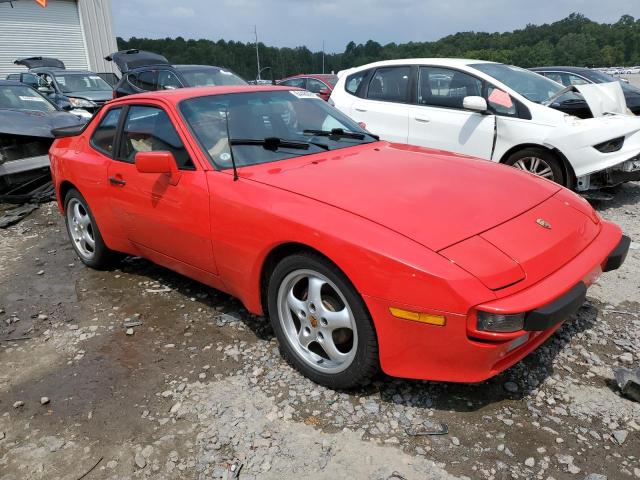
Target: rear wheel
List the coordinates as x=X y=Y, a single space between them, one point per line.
x=321 y=322
x=84 y=233
x=538 y=161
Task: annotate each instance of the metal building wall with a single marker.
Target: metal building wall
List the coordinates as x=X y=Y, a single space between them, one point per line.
x=79 y=32
x=28 y=30
x=100 y=39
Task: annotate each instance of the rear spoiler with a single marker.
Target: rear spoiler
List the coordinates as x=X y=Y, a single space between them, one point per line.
x=71 y=131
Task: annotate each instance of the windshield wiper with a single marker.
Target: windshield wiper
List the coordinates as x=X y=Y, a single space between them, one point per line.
x=274 y=143
x=339 y=132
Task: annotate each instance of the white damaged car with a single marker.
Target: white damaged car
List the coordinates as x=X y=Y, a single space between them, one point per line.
x=497 y=112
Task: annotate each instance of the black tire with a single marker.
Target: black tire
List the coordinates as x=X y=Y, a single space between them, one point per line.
x=101 y=257
x=546 y=156
x=365 y=363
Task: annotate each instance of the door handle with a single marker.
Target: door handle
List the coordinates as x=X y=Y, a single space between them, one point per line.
x=360 y=109
x=422 y=119
x=116 y=181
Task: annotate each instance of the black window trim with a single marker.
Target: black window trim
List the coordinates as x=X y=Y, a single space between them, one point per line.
x=407 y=100
x=522 y=111
x=116 y=143
x=120 y=133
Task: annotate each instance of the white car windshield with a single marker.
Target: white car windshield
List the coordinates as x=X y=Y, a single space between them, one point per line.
x=530 y=85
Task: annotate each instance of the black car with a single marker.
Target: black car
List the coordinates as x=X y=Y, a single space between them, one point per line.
x=26 y=120
x=81 y=89
x=579 y=76
x=146 y=71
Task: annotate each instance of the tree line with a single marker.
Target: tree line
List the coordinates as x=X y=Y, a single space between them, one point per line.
x=574 y=40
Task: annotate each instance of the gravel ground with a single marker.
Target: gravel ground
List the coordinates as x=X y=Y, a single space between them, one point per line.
x=198 y=383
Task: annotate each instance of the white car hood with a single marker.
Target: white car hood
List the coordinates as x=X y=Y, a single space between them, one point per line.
x=604 y=98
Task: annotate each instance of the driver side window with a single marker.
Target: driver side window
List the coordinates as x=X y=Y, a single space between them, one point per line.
x=443 y=87
x=149 y=129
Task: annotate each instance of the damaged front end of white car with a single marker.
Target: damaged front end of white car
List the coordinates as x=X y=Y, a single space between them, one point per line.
x=604 y=150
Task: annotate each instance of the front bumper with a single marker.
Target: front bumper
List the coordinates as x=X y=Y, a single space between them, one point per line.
x=457 y=352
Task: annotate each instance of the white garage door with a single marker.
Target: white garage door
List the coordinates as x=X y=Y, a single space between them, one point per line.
x=28 y=30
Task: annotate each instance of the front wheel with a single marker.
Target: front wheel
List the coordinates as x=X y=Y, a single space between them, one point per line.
x=321 y=323
x=540 y=162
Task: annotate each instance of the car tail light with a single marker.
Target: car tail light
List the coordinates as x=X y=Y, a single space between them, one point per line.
x=496 y=322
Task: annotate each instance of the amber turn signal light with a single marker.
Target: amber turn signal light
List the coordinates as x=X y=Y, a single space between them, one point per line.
x=418 y=316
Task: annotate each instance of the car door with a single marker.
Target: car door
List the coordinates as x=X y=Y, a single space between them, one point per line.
x=156 y=216
x=384 y=108
x=438 y=119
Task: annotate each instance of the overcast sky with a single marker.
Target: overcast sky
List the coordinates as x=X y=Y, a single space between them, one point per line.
x=308 y=22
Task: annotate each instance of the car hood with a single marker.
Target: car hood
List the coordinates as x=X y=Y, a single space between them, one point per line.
x=34 y=123
x=603 y=98
x=436 y=198
x=94 y=96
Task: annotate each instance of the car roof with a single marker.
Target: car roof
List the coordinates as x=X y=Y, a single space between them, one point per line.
x=179 y=94
x=561 y=69
x=311 y=75
x=444 y=62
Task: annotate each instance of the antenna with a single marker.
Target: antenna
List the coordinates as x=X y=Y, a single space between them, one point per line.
x=233 y=159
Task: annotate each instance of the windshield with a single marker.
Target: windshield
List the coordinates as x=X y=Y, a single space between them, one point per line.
x=291 y=116
x=600 y=77
x=530 y=85
x=20 y=97
x=80 y=82
x=210 y=77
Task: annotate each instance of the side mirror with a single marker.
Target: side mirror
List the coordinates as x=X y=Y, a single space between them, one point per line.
x=158 y=162
x=324 y=91
x=475 y=104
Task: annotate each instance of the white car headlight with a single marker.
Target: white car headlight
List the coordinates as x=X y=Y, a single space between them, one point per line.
x=81 y=103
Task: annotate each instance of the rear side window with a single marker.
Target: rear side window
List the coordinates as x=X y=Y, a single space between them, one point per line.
x=104 y=136
x=353 y=82
x=145 y=80
x=443 y=87
x=294 y=82
x=390 y=84
x=149 y=129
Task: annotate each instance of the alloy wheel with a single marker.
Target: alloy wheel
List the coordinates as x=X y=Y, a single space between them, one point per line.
x=317 y=321
x=535 y=165
x=81 y=229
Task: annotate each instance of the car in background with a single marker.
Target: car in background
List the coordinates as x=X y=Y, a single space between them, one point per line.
x=251 y=190
x=147 y=72
x=580 y=76
x=26 y=120
x=319 y=83
x=495 y=112
x=82 y=89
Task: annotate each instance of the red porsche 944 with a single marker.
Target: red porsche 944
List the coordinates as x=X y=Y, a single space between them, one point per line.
x=364 y=254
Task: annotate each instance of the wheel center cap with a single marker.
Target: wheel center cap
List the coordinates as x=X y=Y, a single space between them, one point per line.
x=314 y=321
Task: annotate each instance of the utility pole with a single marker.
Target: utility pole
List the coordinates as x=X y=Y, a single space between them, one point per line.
x=255 y=32
x=322 y=56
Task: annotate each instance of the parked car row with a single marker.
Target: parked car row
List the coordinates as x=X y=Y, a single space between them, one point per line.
x=497 y=112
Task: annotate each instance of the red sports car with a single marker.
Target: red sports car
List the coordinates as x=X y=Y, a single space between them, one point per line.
x=364 y=254
x=319 y=83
